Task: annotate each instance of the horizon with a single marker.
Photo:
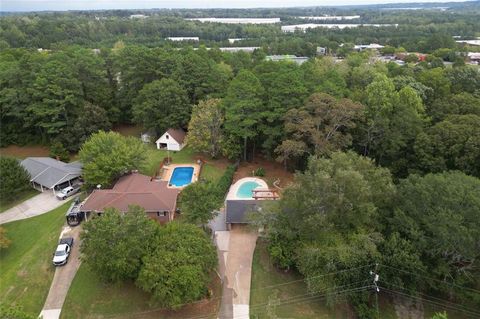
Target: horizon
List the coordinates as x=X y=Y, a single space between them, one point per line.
x=86 y=5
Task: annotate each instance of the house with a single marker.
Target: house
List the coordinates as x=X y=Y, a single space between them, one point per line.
x=172 y=140
x=158 y=200
x=48 y=173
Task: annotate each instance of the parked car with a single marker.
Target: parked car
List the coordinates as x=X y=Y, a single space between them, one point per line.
x=64 y=248
x=68 y=191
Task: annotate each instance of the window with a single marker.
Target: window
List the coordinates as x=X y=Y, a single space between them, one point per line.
x=161 y=214
x=167 y=137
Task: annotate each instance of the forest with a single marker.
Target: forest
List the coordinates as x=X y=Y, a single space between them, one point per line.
x=399 y=143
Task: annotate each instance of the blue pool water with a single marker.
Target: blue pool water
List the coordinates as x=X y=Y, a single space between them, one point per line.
x=245 y=190
x=181 y=176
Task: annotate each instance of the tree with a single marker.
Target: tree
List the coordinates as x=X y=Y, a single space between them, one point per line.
x=4 y=241
x=15 y=179
x=58 y=151
x=337 y=228
x=461 y=104
x=178 y=270
x=451 y=144
x=242 y=105
x=91 y=120
x=160 y=105
x=205 y=133
x=198 y=201
x=107 y=156
x=114 y=244
x=438 y=215
x=321 y=126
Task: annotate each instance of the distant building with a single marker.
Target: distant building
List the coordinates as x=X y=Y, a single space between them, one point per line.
x=286 y=57
x=306 y=26
x=96 y=51
x=321 y=51
x=238 y=49
x=231 y=41
x=474 y=57
x=326 y=18
x=469 y=42
x=371 y=46
x=138 y=16
x=238 y=20
x=195 y=39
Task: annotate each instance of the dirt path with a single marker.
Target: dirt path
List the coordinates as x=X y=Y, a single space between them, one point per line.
x=235 y=253
x=63 y=277
x=37 y=205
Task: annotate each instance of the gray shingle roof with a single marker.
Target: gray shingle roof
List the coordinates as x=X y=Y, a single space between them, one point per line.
x=49 y=172
x=237 y=210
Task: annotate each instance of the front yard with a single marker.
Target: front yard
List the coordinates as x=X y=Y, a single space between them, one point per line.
x=26 y=268
x=29 y=193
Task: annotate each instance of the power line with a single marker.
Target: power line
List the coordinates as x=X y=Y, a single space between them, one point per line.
x=430 y=278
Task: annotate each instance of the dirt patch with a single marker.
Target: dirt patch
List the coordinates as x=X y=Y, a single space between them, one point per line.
x=273 y=171
x=128 y=130
x=24 y=151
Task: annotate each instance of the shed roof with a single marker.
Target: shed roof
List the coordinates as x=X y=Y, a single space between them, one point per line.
x=177 y=134
x=237 y=210
x=49 y=172
x=134 y=189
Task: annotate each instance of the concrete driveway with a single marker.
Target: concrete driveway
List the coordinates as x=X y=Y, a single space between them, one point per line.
x=37 y=205
x=63 y=277
x=235 y=253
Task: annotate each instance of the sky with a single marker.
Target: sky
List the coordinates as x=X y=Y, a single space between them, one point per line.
x=62 y=5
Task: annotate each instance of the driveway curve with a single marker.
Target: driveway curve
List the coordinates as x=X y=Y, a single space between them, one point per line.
x=37 y=205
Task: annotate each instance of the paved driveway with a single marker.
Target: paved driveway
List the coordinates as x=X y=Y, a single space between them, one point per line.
x=63 y=277
x=37 y=205
x=235 y=253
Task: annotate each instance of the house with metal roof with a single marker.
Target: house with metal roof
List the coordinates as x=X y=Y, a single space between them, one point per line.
x=50 y=174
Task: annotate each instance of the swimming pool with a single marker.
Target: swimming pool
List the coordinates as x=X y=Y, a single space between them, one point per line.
x=245 y=190
x=181 y=176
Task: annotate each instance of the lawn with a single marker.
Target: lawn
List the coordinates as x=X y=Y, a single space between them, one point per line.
x=26 y=269
x=88 y=297
x=212 y=170
x=29 y=193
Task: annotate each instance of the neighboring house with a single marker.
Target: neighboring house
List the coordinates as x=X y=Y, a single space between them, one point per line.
x=48 y=173
x=172 y=140
x=158 y=200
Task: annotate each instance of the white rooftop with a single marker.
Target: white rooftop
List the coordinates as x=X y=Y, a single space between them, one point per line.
x=238 y=20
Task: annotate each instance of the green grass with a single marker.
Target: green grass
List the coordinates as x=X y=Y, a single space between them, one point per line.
x=29 y=193
x=287 y=285
x=26 y=269
x=210 y=171
x=88 y=297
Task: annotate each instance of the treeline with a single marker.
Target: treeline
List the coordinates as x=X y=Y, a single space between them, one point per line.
x=415 y=118
x=103 y=28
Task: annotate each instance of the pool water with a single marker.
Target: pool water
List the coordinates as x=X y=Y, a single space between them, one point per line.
x=181 y=176
x=245 y=190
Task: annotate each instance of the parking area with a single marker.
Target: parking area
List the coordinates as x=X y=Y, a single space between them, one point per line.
x=37 y=205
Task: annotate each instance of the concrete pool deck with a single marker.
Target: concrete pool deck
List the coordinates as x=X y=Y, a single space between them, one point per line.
x=168 y=171
x=232 y=193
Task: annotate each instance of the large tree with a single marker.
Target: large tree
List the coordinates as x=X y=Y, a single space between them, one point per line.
x=320 y=127
x=108 y=155
x=14 y=178
x=198 y=201
x=205 y=129
x=160 y=105
x=242 y=107
x=114 y=244
x=178 y=270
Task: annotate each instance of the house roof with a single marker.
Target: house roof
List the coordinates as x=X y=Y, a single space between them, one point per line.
x=49 y=172
x=177 y=134
x=237 y=210
x=134 y=189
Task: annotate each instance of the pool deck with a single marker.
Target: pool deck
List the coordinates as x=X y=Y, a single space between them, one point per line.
x=232 y=193
x=168 y=171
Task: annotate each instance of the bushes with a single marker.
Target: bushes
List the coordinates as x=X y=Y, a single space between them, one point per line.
x=15 y=178
x=225 y=181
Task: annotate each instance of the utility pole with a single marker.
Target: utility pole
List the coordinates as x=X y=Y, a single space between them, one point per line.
x=375 y=278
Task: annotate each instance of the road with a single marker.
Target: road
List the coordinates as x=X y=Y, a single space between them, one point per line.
x=37 y=205
x=63 y=277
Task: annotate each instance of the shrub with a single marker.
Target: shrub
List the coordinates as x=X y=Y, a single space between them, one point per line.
x=57 y=150
x=15 y=179
x=259 y=172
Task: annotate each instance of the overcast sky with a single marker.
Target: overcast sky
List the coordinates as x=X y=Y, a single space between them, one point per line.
x=60 y=5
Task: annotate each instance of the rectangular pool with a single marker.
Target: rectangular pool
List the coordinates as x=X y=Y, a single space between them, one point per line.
x=181 y=176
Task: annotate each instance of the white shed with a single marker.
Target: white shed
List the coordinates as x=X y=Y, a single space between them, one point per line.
x=172 y=140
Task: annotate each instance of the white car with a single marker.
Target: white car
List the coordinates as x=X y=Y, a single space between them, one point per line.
x=66 y=192
x=64 y=248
